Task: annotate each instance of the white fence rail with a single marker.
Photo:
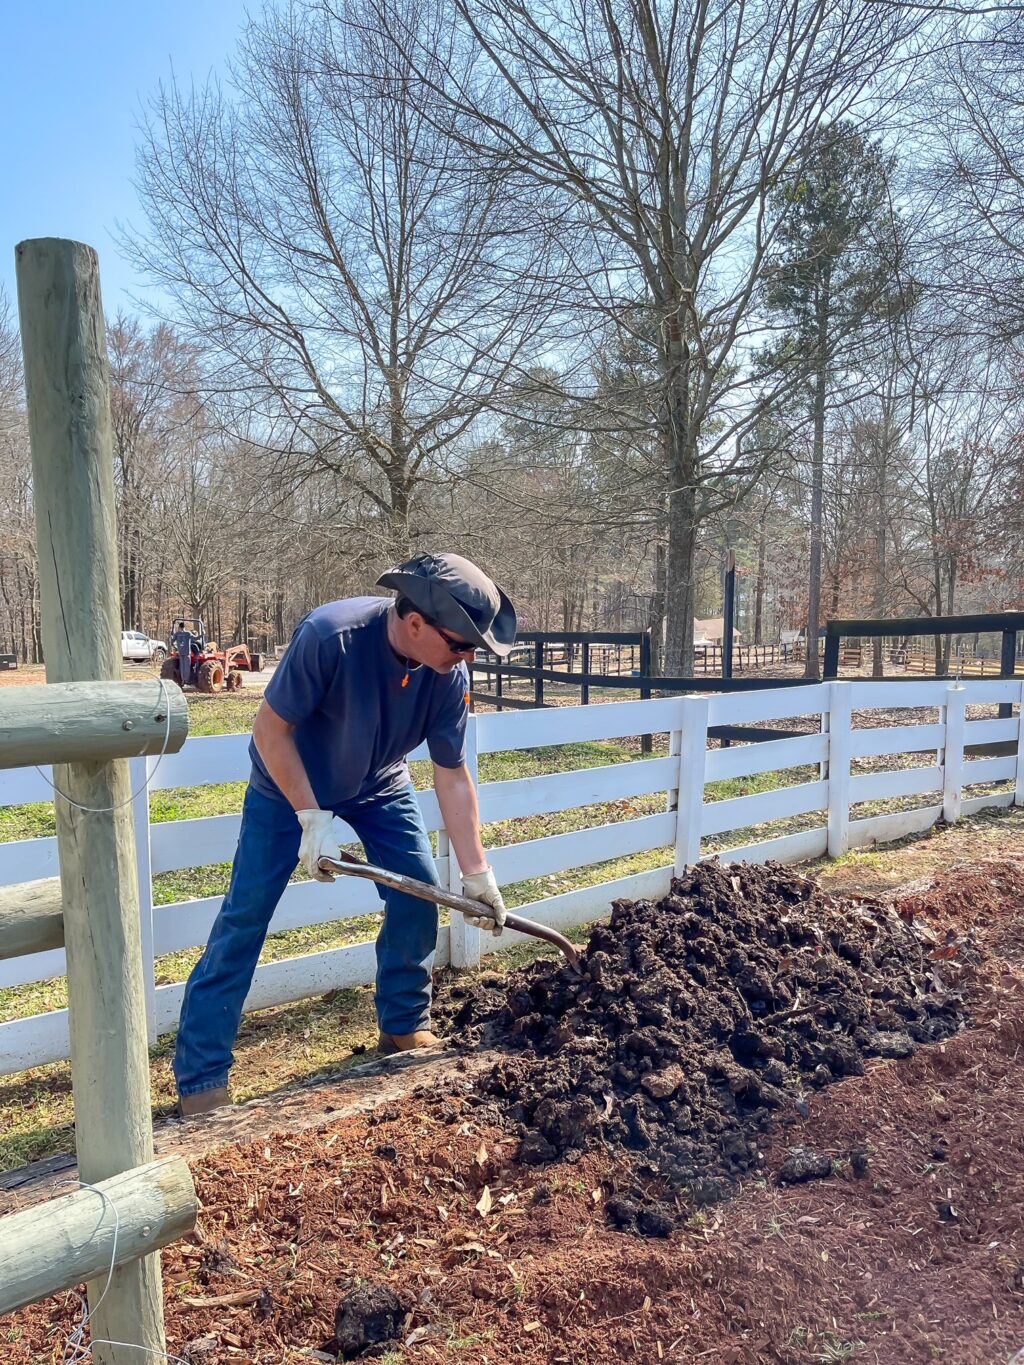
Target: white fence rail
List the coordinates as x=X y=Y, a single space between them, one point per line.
x=833 y=788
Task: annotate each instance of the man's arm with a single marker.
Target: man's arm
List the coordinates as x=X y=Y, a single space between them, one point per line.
x=456 y=795
x=275 y=740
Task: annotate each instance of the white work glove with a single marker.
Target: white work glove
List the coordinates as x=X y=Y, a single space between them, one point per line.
x=318 y=841
x=481 y=886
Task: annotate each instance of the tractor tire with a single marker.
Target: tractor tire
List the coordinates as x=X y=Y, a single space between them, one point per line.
x=171 y=669
x=211 y=676
x=235 y=680
x=256 y=663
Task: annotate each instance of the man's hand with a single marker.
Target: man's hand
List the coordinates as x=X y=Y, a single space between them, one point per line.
x=318 y=841
x=481 y=886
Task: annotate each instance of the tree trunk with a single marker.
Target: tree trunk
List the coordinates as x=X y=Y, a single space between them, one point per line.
x=657 y=617
x=679 y=584
x=762 y=556
x=881 y=545
x=681 y=449
x=279 y=619
x=811 y=669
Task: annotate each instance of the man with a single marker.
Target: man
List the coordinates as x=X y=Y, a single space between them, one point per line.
x=363 y=682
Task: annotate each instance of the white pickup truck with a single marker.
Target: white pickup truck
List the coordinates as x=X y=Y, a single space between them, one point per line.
x=139 y=648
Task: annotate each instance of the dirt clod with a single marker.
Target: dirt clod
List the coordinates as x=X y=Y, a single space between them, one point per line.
x=700 y=1021
x=803 y=1165
x=367 y=1315
x=656 y=1221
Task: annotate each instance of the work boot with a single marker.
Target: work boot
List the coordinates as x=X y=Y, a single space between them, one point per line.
x=390 y=1043
x=189 y=1106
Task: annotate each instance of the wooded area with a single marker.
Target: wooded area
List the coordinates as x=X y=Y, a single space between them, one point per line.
x=593 y=293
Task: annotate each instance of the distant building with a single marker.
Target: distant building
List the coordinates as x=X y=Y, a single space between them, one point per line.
x=711 y=631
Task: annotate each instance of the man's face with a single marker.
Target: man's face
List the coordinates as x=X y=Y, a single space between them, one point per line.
x=433 y=645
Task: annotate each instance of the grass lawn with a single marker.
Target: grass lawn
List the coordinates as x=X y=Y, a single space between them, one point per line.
x=282 y=1044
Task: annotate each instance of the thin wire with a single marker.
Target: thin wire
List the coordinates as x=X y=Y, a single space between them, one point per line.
x=131 y=1346
x=74 y=1342
x=76 y=1349
x=105 y=810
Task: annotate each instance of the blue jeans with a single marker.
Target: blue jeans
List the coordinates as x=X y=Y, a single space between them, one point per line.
x=392 y=832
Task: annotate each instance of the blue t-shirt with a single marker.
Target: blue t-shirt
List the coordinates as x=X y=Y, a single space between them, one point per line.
x=340 y=685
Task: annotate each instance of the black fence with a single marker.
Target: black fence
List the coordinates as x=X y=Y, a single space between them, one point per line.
x=567 y=643
x=1006 y=624
x=545 y=649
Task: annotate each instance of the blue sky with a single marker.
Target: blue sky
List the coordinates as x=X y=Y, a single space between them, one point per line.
x=73 y=76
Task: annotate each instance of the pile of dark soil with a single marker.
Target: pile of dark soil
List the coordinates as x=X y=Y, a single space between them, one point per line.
x=700 y=1019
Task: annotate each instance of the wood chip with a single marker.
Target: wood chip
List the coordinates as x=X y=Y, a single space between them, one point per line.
x=238 y=1300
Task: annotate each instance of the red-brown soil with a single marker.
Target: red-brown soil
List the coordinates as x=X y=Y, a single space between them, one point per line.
x=914 y=1252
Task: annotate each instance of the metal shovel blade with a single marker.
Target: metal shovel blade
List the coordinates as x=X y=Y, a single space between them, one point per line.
x=355 y=867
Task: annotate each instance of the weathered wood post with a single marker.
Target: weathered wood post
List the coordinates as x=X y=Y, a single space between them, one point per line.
x=66 y=378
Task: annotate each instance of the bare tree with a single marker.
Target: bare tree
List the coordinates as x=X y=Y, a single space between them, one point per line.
x=151 y=374
x=973 y=183
x=19 y=579
x=967 y=461
x=665 y=128
x=367 y=291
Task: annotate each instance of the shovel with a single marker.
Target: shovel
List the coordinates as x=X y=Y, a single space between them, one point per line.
x=355 y=867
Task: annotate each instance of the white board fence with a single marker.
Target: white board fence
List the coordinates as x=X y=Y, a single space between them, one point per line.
x=939 y=777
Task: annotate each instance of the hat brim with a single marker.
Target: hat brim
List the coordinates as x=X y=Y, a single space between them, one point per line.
x=430 y=597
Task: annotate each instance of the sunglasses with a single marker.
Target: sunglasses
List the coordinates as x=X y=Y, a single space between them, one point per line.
x=456 y=646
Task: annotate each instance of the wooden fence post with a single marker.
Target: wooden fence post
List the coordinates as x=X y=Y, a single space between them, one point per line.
x=538 y=681
x=1018 y=790
x=693 y=751
x=67 y=384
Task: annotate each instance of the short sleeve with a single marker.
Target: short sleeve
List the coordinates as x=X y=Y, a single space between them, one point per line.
x=446 y=738
x=303 y=676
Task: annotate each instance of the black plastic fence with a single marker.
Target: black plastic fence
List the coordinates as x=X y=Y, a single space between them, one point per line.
x=498 y=671
x=1007 y=624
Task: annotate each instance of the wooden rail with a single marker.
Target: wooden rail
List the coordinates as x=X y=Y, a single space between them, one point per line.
x=57 y=1244
x=86 y=722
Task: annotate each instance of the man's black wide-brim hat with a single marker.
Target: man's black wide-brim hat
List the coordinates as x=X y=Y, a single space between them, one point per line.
x=457 y=595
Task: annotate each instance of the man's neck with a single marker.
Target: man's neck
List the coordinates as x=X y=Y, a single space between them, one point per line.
x=397 y=640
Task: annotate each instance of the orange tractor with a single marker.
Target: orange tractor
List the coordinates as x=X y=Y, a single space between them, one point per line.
x=195 y=661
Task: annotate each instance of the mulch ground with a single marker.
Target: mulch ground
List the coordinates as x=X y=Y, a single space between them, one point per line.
x=913 y=1252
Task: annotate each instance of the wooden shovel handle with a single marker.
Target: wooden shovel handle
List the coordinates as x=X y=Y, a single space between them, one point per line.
x=355 y=867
